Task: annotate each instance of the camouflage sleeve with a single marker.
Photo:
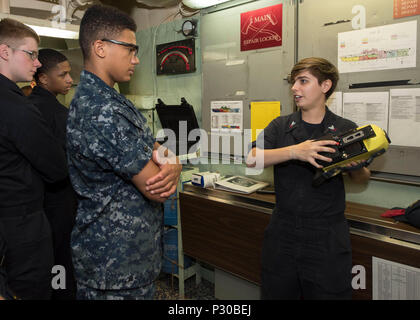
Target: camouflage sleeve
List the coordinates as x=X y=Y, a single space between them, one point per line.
x=119 y=144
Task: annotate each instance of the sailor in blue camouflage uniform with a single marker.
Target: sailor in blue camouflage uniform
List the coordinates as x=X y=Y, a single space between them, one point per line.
x=117 y=239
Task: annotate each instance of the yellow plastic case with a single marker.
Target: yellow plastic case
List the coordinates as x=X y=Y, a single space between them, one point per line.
x=363 y=143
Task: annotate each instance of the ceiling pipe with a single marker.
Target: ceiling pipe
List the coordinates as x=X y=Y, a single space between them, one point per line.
x=5 y=6
x=73 y=5
x=200 y=4
x=159 y=3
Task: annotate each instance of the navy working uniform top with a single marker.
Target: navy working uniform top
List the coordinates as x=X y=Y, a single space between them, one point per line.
x=116 y=241
x=307 y=242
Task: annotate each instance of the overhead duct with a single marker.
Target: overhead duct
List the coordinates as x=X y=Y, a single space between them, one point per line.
x=73 y=5
x=4 y=6
x=47 y=18
x=200 y=4
x=159 y=3
x=51 y=11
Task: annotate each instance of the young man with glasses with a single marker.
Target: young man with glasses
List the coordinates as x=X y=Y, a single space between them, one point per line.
x=117 y=239
x=29 y=156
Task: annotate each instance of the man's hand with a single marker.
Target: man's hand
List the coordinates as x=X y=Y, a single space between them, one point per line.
x=309 y=151
x=166 y=181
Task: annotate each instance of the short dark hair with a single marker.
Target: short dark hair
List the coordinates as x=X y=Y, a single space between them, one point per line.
x=102 y=22
x=49 y=59
x=320 y=68
x=12 y=30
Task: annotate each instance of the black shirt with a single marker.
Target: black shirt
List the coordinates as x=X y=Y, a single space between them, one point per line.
x=311 y=128
x=29 y=153
x=55 y=114
x=293 y=179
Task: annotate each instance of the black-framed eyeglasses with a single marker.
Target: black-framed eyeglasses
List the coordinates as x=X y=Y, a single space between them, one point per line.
x=133 y=47
x=32 y=54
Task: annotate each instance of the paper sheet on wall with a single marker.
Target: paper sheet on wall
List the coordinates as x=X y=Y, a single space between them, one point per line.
x=367 y=108
x=226 y=127
x=404 y=119
x=379 y=48
x=226 y=116
x=394 y=281
x=335 y=103
x=262 y=113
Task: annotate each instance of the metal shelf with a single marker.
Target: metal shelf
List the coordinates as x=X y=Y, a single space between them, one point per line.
x=395 y=178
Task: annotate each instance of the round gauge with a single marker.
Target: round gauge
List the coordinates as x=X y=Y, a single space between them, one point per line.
x=188 y=28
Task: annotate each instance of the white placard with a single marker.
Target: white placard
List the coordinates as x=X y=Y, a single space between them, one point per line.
x=335 y=103
x=379 y=48
x=394 y=281
x=367 y=108
x=226 y=116
x=404 y=118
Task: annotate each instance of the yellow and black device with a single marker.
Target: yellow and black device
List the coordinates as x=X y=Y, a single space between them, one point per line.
x=364 y=143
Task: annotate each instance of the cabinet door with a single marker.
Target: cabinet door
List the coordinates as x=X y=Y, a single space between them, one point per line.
x=255 y=75
x=320 y=22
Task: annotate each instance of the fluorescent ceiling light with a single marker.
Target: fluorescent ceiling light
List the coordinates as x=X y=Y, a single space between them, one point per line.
x=199 y=4
x=55 y=32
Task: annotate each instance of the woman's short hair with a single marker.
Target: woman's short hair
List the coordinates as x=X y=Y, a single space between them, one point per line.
x=320 y=68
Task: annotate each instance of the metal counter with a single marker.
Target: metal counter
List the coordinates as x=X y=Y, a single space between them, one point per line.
x=364 y=220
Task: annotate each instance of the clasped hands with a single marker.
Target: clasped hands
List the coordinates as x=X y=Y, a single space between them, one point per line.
x=165 y=182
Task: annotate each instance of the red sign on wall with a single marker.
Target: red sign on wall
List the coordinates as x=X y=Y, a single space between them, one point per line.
x=406 y=8
x=261 y=28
